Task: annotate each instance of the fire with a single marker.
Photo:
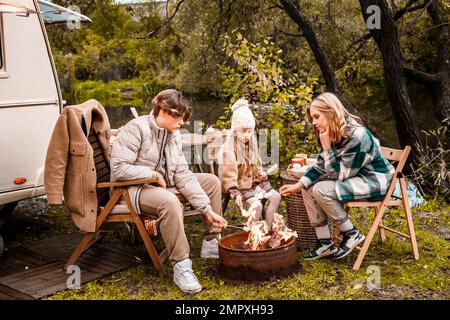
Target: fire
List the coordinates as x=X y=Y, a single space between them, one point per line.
x=260 y=237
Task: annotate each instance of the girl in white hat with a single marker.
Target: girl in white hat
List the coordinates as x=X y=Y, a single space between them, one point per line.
x=240 y=165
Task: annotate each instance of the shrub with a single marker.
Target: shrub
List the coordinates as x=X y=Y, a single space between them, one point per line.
x=257 y=72
x=433 y=172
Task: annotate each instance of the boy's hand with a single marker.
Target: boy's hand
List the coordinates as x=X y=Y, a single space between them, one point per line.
x=216 y=220
x=161 y=181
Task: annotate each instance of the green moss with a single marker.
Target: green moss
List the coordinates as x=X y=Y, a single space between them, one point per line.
x=401 y=276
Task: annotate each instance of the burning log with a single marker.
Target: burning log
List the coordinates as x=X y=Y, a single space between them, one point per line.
x=259 y=235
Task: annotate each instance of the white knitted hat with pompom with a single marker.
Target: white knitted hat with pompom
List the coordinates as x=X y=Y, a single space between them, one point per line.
x=242 y=115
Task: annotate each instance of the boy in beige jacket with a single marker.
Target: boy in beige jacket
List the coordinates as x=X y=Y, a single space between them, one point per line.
x=150 y=147
x=240 y=165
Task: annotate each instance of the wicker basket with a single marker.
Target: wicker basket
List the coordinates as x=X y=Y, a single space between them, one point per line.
x=298 y=217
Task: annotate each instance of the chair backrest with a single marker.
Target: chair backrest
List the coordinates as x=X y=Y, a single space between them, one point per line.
x=101 y=167
x=215 y=140
x=398 y=158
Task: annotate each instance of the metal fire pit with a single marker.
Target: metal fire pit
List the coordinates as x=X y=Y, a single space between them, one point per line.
x=237 y=265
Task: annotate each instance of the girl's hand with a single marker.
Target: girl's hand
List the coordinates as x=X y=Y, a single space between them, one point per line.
x=238 y=200
x=289 y=189
x=325 y=140
x=237 y=196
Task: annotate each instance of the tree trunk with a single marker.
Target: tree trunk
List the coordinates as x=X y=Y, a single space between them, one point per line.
x=293 y=11
x=331 y=83
x=438 y=82
x=387 y=40
x=442 y=88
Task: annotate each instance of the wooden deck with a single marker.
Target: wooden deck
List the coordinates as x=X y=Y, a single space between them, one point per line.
x=28 y=273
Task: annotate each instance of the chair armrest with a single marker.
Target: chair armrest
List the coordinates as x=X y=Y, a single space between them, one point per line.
x=125 y=183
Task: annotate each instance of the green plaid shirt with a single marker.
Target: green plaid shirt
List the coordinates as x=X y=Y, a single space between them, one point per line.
x=356 y=163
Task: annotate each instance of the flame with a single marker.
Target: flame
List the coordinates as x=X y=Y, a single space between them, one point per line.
x=259 y=235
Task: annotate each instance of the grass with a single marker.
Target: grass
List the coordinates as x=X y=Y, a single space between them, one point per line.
x=401 y=277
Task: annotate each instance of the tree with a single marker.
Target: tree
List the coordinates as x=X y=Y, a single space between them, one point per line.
x=438 y=82
x=279 y=97
x=293 y=11
x=387 y=39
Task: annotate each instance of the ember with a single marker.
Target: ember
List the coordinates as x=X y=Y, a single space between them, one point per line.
x=259 y=235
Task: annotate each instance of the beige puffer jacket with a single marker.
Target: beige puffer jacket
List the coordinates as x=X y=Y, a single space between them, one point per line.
x=137 y=153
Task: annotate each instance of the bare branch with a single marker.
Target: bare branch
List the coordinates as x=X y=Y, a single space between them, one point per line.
x=292 y=34
x=397 y=15
x=424 y=8
x=275 y=5
x=166 y=21
x=420 y=77
x=167 y=9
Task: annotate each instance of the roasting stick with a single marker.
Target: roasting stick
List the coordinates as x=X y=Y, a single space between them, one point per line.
x=235 y=226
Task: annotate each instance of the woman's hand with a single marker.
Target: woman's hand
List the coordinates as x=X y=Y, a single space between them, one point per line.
x=289 y=189
x=216 y=220
x=262 y=175
x=325 y=139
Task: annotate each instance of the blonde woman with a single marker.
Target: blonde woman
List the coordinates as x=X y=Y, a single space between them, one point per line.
x=350 y=166
x=240 y=165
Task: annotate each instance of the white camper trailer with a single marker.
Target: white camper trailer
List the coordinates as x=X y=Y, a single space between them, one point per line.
x=30 y=96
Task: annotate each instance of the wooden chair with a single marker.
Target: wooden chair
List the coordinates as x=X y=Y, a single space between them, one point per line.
x=109 y=209
x=215 y=140
x=389 y=200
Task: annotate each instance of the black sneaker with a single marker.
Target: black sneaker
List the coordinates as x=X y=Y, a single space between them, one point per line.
x=349 y=242
x=324 y=247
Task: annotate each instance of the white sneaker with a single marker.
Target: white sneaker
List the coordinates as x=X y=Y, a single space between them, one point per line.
x=349 y=242
x=324 y=247
x=184 y=277
x=210 y=249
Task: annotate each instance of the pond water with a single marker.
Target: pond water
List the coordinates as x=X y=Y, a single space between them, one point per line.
x=377 y=113
x=207 y=110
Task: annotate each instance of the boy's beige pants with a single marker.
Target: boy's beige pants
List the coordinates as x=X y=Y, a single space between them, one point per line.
x=164 y=206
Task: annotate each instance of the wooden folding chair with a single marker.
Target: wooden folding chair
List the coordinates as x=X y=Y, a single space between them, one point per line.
x=389 y=200
x=215 y=140
x=109 y=209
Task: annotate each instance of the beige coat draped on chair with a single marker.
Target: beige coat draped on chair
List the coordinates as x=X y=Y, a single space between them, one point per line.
x=69 y=165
